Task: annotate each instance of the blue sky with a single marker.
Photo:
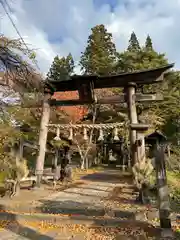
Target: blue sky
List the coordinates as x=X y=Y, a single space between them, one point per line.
x=57 y=27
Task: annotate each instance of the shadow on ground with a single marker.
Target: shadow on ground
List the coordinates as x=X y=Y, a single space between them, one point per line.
x=102 y=224
x=10 y=223
x=110 y=176
x=124 y=230
x=123 y=226
x=123 y=195
x=69 y=207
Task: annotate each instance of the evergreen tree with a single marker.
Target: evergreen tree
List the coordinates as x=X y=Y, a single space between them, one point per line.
x=129 y=59
x=133 y=43
x=148 y=43
x=139 y=58
x=100 y=54
x=61 y=68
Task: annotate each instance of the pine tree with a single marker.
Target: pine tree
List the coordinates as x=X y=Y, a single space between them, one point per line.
x=148 y=43
x=133 y=43
x=100 y=54
x=61 y=68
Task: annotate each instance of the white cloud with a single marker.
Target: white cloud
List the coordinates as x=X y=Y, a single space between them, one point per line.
x=59 y=27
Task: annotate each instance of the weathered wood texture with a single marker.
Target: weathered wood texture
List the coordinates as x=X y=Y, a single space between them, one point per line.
x=142 y=98
x=43 y=138
x=163 y=193
x=133 y=120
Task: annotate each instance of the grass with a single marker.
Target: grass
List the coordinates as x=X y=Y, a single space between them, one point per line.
x=174 y=186
x=173 y=179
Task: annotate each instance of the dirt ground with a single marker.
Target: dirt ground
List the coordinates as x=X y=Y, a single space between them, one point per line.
x=29 y=197
x=120 y=199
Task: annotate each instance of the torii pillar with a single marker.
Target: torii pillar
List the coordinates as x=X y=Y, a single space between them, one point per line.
x=43 y=136
x=130 y=99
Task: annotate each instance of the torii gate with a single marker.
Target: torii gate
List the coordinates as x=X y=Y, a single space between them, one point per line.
x=85 y=86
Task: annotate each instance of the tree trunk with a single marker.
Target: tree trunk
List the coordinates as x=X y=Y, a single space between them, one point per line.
x=82 y=163
x=84 y=154
x=17 y=188
x=86 y=162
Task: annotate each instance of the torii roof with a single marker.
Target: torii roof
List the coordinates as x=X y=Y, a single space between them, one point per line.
x=121 y=80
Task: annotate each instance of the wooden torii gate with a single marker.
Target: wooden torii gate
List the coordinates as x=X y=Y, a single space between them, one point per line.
x=85 y=85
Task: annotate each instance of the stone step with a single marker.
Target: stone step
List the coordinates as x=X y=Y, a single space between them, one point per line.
x=67 y=219
x=103 y=219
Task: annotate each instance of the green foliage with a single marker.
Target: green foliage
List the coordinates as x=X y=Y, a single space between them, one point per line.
x=173 y=179
x=169 y=109
x=100 y=54
x=172 y=162
x=20 y=76
x=8 y=136
x=59 y=144
x=148 y=43
x=61 y=68
x=139 y=58
x=175 y=194
x=133 y=43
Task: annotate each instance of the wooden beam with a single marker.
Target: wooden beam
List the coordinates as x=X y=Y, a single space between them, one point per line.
x=108 y=100
x=148 y=97
x=139 y=127
x=138 y=97
x=73 y=102
x=117 y=99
